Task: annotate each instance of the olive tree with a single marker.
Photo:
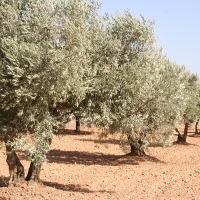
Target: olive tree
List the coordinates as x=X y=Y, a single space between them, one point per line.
x=48 y=61
x=139 y=92
x=83 y=35
x=191 y=110
x=30 y=68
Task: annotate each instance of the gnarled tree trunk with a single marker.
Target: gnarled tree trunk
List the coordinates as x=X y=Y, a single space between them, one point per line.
x=182 y=138
x=16 y=169
x=136 y=151
x=34 y=173
x=136 y=147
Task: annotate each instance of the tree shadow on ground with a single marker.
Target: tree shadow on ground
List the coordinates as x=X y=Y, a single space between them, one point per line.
x=3 y=181
x=189 y=131
x=195 y=135
x=86 y=158
x=184 y=143
x=72 y=132
x=101 y=141
x=70 y=187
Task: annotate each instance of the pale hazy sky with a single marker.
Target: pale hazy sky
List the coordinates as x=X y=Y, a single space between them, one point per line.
x=177 y=24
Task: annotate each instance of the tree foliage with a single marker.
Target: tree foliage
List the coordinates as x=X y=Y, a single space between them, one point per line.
x=191 y=110
x=30 y=68
x=61 y=57
x=139 y=93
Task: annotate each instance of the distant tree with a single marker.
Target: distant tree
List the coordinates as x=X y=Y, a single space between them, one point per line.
x=80 y=36
x=196 y=127
x=191 y=111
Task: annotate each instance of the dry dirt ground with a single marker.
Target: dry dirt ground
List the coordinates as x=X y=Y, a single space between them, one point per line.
x=84 y=167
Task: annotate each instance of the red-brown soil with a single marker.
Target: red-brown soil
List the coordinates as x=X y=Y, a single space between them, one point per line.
x=84 y=167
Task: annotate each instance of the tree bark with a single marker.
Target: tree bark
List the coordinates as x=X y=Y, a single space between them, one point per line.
x=136 y=151
x=34 y=173
x=196 y=127
x=16 y=169
x=34 y=170
x=182 y=138
x=78 y=124
x=136 y=147
x=185 y=131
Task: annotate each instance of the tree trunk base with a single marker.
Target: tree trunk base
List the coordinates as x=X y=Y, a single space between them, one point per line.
x=33 y=183
x=181 y=139
x=33 y=174
x=16 y=169
x=78 y=124
x=196 y=127
x=136 y=151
